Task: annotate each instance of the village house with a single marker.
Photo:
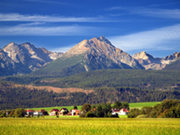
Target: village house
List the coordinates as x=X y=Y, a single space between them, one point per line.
x=36 y=113
x=53 y=112
x=43 y=112
x=123 y=111
x=62 y=110
x=74 y=112
x=30 y=112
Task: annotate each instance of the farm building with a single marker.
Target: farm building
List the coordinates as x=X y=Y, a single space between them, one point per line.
x=53 y=112
x=123 y=111
x=29 y=112
x=74 y=112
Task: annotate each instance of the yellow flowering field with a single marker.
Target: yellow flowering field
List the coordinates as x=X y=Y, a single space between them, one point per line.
x=88 y=126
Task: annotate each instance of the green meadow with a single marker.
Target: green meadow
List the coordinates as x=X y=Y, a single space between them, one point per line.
x=88 y=126
x=143 y=104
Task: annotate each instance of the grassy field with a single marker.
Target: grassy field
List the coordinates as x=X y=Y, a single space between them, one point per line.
x=132 y=105
x=142 y=104
x=104 y=126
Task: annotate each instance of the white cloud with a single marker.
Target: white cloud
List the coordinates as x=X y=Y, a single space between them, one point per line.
x=47 y=18
x=158 y=39
x=32 y=24
x=153 y=12
x=163 y=13
x=47 y=31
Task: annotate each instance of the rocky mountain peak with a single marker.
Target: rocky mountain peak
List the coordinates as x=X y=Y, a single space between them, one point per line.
x=28 y=46
x=98 y=50
x=175 y=55
x=101 y=39
x=12 y=44
x=80 y=48
x=100 y=45
x=26 y=56
x=142 y=55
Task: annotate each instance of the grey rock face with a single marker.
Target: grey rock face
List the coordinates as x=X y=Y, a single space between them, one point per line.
x=100 y=50
x=25 y=58
x=151 y=63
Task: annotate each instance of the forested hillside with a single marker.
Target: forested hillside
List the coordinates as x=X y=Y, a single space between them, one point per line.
x=144 y=79
x=15 y=97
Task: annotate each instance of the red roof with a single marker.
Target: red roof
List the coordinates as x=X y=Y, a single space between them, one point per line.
x=56 y=110
x=115 y=110
x=76 y=110
x=124 y=110
x=29 y=110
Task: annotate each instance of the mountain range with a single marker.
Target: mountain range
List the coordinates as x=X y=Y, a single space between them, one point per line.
x=88 y=55
x=24 y=58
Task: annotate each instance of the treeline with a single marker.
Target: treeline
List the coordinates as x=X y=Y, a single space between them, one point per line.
x=167 y=109
x=132 y=95
x=144 y=79
x=22 y=97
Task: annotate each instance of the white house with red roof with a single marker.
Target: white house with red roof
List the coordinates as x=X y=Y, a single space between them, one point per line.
x=123 y=111
x=29 y=112
x=74 y=112
x=53 y=112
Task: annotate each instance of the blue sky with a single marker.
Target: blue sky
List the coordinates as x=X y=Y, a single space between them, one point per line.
x=133 y=26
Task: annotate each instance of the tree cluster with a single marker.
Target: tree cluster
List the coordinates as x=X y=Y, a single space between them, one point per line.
x=19 y=112
x=167 y=109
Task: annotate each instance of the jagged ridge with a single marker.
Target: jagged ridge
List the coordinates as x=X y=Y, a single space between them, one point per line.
x=93 y=54
x=24 y=58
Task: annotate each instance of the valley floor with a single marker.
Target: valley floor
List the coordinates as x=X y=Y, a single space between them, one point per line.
x=104 y=126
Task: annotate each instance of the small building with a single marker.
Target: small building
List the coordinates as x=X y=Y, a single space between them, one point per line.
x=114 y=111
x=123 y=111
x=30 y=112
x=36 y=113
x=43 y=111
x=74 y=112
x=53 y=112
x=62 y=110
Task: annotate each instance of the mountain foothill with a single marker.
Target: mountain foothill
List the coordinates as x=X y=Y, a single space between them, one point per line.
x=88 y=55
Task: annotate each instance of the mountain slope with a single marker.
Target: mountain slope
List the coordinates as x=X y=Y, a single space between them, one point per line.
x=97 y=53
x=151 y=63
x=173 y=66
x=24 y=58
x=9 y=67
